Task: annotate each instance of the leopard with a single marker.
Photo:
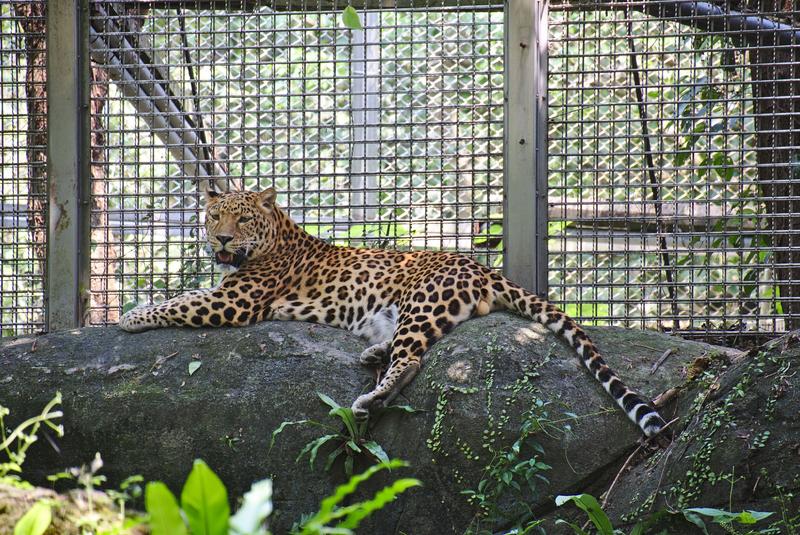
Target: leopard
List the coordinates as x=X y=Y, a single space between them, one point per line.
x=401 y=302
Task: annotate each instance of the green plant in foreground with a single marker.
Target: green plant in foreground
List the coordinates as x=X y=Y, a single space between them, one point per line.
x=588 y=504
x=204 y=506
x=88 y=479
x=204 y=503
x=513 y=474
x=36 y=520
x=350 y=516
x=352 y=440
x=15 y=445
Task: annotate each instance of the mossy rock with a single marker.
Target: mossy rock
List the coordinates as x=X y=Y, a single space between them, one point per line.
x=131 y=397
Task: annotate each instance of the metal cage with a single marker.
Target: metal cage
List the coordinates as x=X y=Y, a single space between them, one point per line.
x=634 y=161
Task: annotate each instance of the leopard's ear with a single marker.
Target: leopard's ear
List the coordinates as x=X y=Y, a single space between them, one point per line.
x=267 y=197
x=211 y=193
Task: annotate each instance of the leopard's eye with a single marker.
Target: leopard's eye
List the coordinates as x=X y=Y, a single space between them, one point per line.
x=244 y=219
x=213 y=217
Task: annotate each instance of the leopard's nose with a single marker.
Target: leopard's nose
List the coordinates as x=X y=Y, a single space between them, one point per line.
x=224 y=239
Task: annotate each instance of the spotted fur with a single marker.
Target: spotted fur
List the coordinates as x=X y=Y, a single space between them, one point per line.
x=402 y=302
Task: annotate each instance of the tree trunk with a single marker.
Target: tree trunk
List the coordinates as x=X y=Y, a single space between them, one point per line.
x=104 y=304
x=776 y=91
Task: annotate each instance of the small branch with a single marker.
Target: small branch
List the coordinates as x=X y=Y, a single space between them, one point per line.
x=661 y=360
x=187 y=55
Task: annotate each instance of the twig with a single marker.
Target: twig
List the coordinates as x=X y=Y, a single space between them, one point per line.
x=201 y=132
x=619 y=473
x=655 y=187
x=628 y=460
x=666 y=396
x=660 y=479
x=161 y=360
x=661 y=360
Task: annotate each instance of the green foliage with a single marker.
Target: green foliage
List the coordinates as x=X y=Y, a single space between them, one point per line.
x=348 y=518
x=165 y=515
x=589 y=505
x=204 y=504
x=350 y=442
x=205 y=501
x=16 y=443
x=514 y=472
x=724 y=518
x=36 y=520
x=350 y=18
x=88 y=480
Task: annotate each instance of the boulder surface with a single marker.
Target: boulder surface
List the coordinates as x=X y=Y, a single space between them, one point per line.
x=492 y=380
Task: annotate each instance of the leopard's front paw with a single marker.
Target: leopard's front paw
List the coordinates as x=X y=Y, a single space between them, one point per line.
x=364 y=404
x=376 y=356
x=135 y=320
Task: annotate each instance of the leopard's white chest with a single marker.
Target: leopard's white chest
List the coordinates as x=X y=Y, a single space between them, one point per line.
x=378 y=327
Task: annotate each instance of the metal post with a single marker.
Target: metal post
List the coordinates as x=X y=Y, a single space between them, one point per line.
x=366 y=118
x=525 y=180
x=68 y=240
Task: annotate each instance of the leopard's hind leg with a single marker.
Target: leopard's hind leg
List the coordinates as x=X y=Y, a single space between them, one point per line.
x=417 y=330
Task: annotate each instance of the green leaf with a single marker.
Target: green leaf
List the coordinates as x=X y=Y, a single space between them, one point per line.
x=354 y=513
x=696 y=520
x=256 y=507
x=314 y=447
x=379 y=501
x=751 y=517
x=328 y=401
x=349 y=420
x=193 y=366
x=589 y=505
x=280 y=429
x=402 y=408
x=721 y=516
x=348 y=465
x=344 y=414
x=350 y=18
x=36 y=520
x=575 y=528
x=332 y=457
x=205 y=501
x=375 y=449
x=342 y=491
x=165 y=515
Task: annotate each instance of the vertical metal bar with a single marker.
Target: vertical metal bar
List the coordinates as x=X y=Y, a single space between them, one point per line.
x=525 y=147
x=67 y=163
x=365 y=100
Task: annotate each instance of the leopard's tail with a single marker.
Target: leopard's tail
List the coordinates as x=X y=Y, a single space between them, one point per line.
x=528 y=305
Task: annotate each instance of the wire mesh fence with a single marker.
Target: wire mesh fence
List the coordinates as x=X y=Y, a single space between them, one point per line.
x=673 y=200
x=23 y=140
x=662 y=182
x=386 y=137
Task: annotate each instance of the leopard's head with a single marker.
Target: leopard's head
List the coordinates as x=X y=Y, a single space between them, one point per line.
x=240 y=225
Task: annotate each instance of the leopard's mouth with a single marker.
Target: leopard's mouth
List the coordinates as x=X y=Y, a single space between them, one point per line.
x=230 y=259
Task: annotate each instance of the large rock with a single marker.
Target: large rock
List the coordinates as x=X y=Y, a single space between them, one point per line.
x=131 y=397
x=740 y=449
